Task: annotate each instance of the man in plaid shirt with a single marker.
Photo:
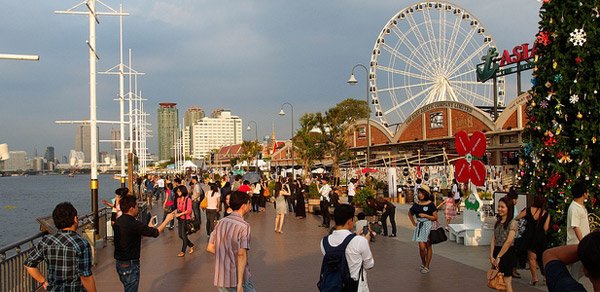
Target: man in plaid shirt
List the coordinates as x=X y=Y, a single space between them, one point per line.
x=68 y=255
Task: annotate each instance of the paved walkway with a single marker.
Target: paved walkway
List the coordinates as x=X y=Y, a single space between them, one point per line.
x=291 y=261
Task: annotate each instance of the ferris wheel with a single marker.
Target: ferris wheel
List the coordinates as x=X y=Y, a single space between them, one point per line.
x=426 y=53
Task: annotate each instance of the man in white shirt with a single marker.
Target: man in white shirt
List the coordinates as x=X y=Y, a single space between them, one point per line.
x=578 y=224
x=357 y=252
x=351 y=190
x=160 y=191
x=325 y=201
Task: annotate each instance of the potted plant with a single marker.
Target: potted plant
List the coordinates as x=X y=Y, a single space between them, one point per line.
x=313 y=196
x=360 y=201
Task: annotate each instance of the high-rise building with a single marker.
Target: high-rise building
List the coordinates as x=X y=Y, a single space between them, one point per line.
x=17 y=161
x=83 y=141
x=192 y=116
x=168 y=116
x=115 y=137
x=49 y=155
x=215 y=132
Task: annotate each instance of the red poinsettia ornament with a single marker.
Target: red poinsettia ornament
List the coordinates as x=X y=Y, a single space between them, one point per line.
x=467 y=168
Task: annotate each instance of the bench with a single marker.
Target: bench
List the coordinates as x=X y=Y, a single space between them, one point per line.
x=472 y=232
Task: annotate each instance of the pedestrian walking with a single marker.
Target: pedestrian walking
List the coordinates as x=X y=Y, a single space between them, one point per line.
x=183 y=215
x=344 y=251
x=197 y=195
x=300 y=189
x=67 y=255
x=538 y=223
x=256 y=189
x=421 y=215
x=230 y=243
x=169 y=204
x=578 y=224
x=213 y=200
x=128 y=242
x=449 y=209
x=502 y=251
x=324 y=191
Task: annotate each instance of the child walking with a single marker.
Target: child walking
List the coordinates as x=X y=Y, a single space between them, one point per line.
x=449 y=208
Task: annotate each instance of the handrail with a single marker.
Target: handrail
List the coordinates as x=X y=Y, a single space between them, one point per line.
x=18 y=244
x=13 y=276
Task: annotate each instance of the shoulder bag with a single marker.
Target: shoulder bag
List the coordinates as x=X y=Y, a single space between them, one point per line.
x=495 y=279
x=204 y=203
x=438 y=234
x=190 y=227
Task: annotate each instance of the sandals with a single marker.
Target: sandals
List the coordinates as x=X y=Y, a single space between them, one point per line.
x=533 y=283
x=181 y=254
x=191 y=250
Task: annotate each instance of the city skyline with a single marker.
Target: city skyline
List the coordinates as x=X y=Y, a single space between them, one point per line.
x=274 y=52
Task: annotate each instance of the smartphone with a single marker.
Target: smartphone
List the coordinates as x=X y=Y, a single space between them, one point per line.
x=154 y=220
x=365 y=230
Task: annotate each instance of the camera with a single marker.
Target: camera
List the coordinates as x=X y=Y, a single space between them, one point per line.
x=365 y=230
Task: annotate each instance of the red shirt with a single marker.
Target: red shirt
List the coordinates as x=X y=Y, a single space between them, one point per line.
x=184 y=204
x=244 y=188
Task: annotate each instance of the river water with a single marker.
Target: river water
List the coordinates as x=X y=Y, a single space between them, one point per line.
x=24 y=198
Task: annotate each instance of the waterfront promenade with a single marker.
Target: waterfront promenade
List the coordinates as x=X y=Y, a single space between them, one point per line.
x=291 y=261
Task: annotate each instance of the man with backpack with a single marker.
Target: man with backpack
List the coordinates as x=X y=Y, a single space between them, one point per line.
x=345 y=255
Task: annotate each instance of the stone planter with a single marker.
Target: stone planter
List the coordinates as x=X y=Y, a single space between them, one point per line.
x=312 y=204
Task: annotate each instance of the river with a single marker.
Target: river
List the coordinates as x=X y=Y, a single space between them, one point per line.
x=24 y=198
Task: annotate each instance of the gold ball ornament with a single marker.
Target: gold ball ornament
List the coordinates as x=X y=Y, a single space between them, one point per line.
x=579 y=115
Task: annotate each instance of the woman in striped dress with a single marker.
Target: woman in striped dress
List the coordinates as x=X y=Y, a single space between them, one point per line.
x=422 y=214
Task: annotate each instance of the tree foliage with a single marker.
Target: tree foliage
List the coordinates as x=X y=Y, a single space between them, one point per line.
x=307 y=142
x=335 y=125
x=250 y=151
x=561 y=144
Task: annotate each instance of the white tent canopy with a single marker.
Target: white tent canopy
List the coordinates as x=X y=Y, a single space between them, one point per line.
x=263 y=165
x=189 y=164
x=318 y=170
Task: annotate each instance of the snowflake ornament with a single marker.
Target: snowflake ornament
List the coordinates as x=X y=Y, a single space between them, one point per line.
x=574 y=98
x=544 y=104
x=578 y=37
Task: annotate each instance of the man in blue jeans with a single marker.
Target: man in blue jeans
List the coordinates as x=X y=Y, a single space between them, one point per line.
x=128 y=242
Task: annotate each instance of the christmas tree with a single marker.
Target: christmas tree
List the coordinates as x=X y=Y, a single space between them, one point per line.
x=561 y=138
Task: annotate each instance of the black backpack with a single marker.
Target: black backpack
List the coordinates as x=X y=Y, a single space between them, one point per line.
x=335 y=273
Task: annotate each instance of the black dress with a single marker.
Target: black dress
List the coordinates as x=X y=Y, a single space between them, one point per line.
x=300 y=206
x=535 y=236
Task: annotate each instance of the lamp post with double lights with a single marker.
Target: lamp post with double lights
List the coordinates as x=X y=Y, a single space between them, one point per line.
x=282 y=113
x=255 y=137
x=352 y=81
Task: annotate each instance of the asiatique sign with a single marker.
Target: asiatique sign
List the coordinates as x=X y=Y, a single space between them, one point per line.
x=495 y=66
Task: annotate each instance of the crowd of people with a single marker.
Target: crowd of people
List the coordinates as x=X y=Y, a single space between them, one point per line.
x=226 y=200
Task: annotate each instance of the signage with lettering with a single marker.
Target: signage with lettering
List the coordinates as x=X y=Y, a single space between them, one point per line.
x=494 y=66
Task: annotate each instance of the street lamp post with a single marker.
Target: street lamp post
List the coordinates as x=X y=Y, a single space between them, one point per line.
x=352 y=81
x=255 y=138
x=282 y=113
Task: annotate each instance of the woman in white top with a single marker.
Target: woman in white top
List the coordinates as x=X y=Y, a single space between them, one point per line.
x=213 y=200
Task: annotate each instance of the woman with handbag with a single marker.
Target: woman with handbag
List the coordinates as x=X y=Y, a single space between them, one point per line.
x=422 y=214
x=183 y=215
x=502 y=253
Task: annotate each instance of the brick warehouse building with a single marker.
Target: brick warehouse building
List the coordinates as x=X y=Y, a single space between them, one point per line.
x=432 y=127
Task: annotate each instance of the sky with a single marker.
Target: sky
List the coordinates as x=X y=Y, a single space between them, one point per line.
x=247 y=56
